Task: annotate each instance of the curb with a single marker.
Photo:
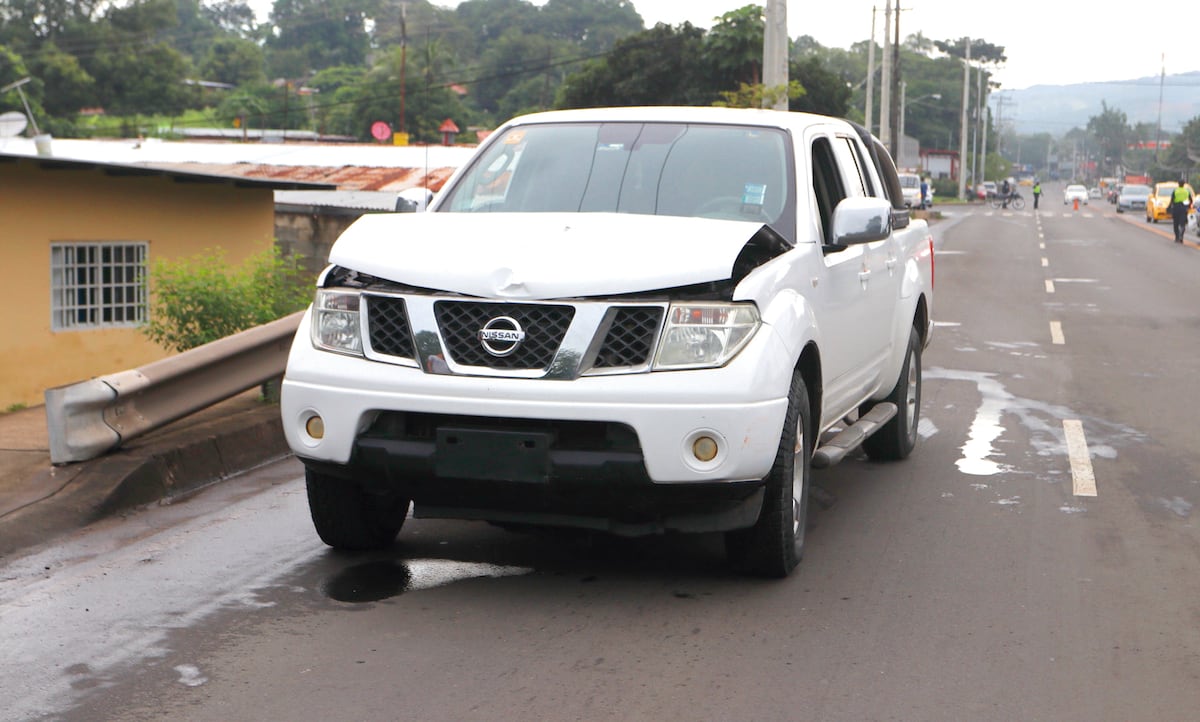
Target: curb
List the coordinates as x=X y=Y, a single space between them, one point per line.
x=157 y=469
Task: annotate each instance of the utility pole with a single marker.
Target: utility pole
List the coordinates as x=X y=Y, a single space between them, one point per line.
x=403 y=61
x=962 y=141
x=775 y=53
x=978 y=134
x=870 y=111
x=885 y=80
x=894 y=116
x=1162 y=78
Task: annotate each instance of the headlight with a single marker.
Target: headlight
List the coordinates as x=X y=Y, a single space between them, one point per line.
x=335 y=322
x=705 y=335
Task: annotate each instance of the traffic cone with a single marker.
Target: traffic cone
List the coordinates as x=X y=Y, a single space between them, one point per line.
x=1076 y=204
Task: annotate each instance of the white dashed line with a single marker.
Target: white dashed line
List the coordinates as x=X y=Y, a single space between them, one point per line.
x=1049 y=286
x=1056 y=333
x=1045 y=262
x=1083 y=478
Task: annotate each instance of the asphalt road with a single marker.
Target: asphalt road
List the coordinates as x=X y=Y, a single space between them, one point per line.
x=980 y=579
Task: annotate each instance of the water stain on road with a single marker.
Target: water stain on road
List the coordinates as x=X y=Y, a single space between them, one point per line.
x=377 y=580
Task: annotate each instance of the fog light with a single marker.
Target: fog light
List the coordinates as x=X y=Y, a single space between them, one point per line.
x=705 y=448
x=315 y=427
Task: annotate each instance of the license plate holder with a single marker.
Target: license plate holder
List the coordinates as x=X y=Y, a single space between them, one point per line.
x=493 y=455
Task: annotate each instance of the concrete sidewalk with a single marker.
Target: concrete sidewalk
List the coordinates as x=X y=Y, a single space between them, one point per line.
x=39 y=501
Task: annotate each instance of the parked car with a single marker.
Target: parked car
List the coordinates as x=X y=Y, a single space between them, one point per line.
x=910 y=184
x=985 y=190
x=1132 y=197
x=1157 y=207
x=1075 y=192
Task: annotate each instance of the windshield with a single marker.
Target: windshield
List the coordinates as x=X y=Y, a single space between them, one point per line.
x=910 y=181
x=1166 y=190
x=666 y=169
x=1136 y=191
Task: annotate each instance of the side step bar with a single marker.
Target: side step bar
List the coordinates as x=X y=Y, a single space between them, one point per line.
x=852 y=436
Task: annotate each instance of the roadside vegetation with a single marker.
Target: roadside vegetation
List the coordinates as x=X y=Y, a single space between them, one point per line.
x=203 y=298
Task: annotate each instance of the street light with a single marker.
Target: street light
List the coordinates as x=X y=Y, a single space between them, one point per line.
x=903 y=111
x=904 y=102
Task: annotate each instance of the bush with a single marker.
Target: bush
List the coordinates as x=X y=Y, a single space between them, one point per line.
x=201 y=299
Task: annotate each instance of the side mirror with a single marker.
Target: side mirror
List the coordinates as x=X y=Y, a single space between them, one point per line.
x=420 y=197
x=861 y=220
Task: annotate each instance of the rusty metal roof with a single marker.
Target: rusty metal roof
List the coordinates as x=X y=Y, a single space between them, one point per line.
x=375 y=167
x=347 y=177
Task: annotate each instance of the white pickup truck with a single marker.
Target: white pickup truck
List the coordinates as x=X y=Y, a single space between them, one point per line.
x=634 y=320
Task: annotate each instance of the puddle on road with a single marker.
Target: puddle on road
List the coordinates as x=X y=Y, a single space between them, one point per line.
x=383 y=579
x=1043 y=421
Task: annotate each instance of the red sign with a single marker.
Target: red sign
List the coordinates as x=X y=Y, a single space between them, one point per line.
x=381 y=130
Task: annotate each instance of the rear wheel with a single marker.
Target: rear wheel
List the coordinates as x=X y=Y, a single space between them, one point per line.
x=898 y=437
x=775 y=544
x=348 y=517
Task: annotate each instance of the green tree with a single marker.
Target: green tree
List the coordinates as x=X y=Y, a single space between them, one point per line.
x=591 y=25
x=735 y=45
x=234 y=60
x=663 y=65
x=315 y=34
x=1111 y=131
x=201 y=299
x=824 y=92
x=68 y=86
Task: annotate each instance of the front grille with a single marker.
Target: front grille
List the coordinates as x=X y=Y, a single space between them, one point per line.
x=630 y=338
x=388 y=327
x=544 y=325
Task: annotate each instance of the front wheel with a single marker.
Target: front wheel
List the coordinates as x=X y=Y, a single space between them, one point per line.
x=775 y=544
x=349 y=518
x=898 y=437
x=1017 y=203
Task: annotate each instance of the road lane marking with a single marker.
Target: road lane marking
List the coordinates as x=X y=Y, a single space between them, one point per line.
x=1045 y=262
x=1056 y=333
x=1049 y=286
x=1083 y=478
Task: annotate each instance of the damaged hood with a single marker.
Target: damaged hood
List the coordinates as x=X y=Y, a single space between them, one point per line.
x=542 y=255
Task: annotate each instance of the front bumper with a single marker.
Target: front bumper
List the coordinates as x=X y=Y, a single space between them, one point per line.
x=741 y=405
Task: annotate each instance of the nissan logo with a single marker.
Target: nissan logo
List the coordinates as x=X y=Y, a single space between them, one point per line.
x=501 y=336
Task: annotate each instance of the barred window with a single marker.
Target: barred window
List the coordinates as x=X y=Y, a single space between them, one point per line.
x=97 y=285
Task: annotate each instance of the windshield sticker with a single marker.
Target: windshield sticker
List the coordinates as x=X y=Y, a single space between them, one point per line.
x=610 y=146
x=754 y=194
x=514 y=137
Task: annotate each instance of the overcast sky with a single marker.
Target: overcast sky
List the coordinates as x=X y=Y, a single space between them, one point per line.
x=1053 y=42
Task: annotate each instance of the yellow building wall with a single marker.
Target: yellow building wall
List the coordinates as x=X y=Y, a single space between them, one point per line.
x=41 y=206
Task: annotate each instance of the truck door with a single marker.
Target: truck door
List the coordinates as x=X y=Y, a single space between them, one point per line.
x=855 y=330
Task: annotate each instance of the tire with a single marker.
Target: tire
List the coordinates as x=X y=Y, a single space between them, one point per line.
x=898 y=437
x=1017 y=203
x=346 y=517
x=775 y=544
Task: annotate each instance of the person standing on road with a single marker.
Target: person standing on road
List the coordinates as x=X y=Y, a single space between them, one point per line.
x=1181 y=204
x=1005 y=192
x=924 y=193
x=1037 y=193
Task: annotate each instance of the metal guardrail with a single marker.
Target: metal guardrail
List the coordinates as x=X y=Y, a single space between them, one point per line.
x=90 y=418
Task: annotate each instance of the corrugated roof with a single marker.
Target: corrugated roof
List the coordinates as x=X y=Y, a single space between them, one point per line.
x=348 y=166
x=178 y=174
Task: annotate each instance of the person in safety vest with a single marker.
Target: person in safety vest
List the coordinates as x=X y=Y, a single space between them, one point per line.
x=1181 y=204
x=1037 y=193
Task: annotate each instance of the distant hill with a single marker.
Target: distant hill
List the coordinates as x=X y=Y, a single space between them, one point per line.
x=1056 y=109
